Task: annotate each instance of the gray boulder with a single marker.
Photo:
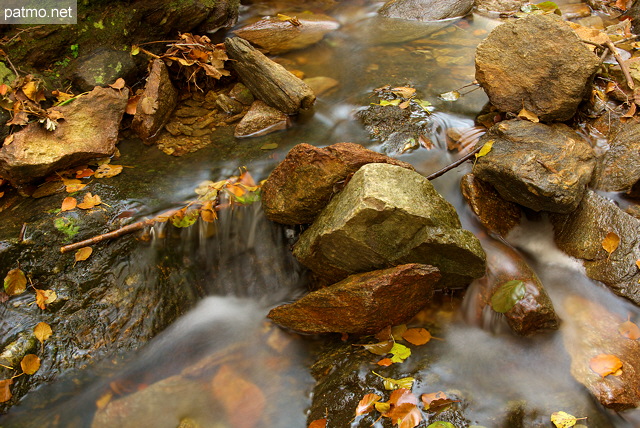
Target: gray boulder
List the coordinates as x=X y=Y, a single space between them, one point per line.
x=618 y=169
x=385 y=216
x=542 y=167
x=103 y=67
x=425 y=10
x=537 y=63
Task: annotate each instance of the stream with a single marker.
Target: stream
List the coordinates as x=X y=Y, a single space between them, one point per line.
x=244 y=267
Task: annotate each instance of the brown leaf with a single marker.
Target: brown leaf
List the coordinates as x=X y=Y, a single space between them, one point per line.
x=9 y=139
x=629 y=330
x=243 y=402
x=404 y=91
x=5 y=392
x=73 y=185
x=83 y=253
x=610 y=242
x=528 y=115
x=30 y=364
x=366 y=404
x=427 y=399
x=15 y=282
x=318 y=423
x=107 y=170
x=118 y=84
x=417 y=336
x=380 y=348
x=401 y=396
x=20 y=118
x=44 y=297
x=42 y=331
x=132 y=104
x=68 y=204
x=148 y=105
x=605 y=364
x=406 y=415
x=384 y=334
x=89 y=201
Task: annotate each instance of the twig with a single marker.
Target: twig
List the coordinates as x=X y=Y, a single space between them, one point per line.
x=12 y=67
x=623 y=67
x=109 y=235
x=455 y=164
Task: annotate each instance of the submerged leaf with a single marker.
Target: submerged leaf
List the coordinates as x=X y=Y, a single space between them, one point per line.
x=30 y=364
x=605 y=364
x=450 y=96
x=417 y=336
x=629 y=330
x=243 y=401
x=380 y=348
x=269 y=146
x=507 y=295
x=42 y=331
x=385 y=362
x=15 y=282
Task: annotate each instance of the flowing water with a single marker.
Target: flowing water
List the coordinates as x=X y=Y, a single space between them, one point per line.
x=224 y=345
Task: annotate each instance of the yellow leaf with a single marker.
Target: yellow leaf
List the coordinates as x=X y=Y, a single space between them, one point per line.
x=528 y=115
x=404 y=91
x=417 y=336
x=42 y=331
x=610 y=242
x=83 y=253
x=44 y=297
x=486 y=148
x=15 y=282
x=391 y=384
x=629 y=330
x=102 y=402
x=605 y=364
x=382 y=407
x=638 y=263
x=30 y=364
x=107 y=171
x=73 y=185
x=135 y=50
x=68 y=204
x=89 y=201
x=563 y=419
x=5 y=392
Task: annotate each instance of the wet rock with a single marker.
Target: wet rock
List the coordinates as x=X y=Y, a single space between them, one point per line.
x=591 y=330
x=321 y=84
x=156 y=103
x=542 y=167
x=277 y=36
x=89 y=131
x=267 y=80
x=385 y=216
x=495 y=214
x=518 y=66
x=304 y=182
x=425 y=10
x=228 y=104
x=619 y=168
x=103 y=67
x=492 y=7
x=364 y=303
x=242 y=94
x=261 y=120
x=580 y=234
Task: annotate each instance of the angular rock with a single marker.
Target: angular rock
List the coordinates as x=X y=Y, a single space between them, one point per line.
x=103 y=67
x=261 y=120
x=518 y=66
x=89 y=131
x=385 y=216
x=267 y=80
x=425 y=10
x=303 y=183
x=580 y=234
x=492 y=7
x=156 y=103
x=591 y=330
x=276 y=36
x=542 y=167
x=363 y=303
x=242 y=94
x=321 y=84
x=495 y=214
x=228 y=104
x=619 y=168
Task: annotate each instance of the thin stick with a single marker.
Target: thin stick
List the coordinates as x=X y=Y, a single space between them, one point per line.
x=455 y=164
x=109 y=235
x=623 y=67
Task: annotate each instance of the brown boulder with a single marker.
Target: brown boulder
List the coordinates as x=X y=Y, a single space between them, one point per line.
x=261 y=120
x=364 y=303
x=303 y=183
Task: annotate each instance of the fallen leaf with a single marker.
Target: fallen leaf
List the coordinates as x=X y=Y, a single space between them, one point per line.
x=441 y=424
x=397 y=331
x=507 y=295
x=84 y=173
x=269 y=146
x=118 y=84
x=89 y=201
x=243 y=402
x=30 y=364
x=102 y=402
x=42 y=331
x=528 y=115
x=107 y=170
x=44 y=297
x=629 y=330
x=208 y=212
x=68 y=204
x=402 y=396
x=417 y=336
x=385 y=362
x=486 y=148
x=395 y=102
x=9 y=140
x=382 y=407
x=563 y=419
x=73 y=184
x=366 y=404
x=406 y=415
x=15 y=282
x=30 y=89
x=135 y=50
x=450 y=96
x=318 y=423
x=5 y=392
x=132 y=104
x=631 y=111
x=610 y=242
x=399 y=352
x=638 y=263
x=404 y=91
x=429 y=398
x=380 y=348
x=605 y=364
x=391 y=384
x=83 y=253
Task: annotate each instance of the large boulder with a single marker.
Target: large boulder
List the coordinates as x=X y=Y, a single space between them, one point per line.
x=425 y=10
x=303 y=183
x=582 y=232
x=518 y=66
x=89 y=131
x=618 y=169
x=385 y=216
x=542 y=167
x=364 y=303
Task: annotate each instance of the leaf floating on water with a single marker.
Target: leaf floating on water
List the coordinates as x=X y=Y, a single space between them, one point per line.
x=605 y=364
x=528 y=115
x=417 y=336
x=391 y=384
x=15 y=282
x=433 y=398
x=400 y=353
x=507 y=295
x=563 y=419
x=5 y=392
x=44 y=297
x=441 y=424
x=30 y=364
x=366 y=404
x=89 y=201
x=83 y=253
x=450 y=96
x=42 y=331
x=68 y=204
x=269 y=146
x=107 y=170
x=380 y=348
x=406 y=415
x=629 y=330
x=402 y=396
x=105 y=399
x=610 y=242
x=404 y=91
x=385 y=362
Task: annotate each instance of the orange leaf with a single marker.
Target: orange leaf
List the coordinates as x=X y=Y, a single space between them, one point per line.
x=605 y=364
x=366 y=404
x=83 y=253
x=401 y=396
x=30 y=364
x=107 y=171
x=243 y=402
x=5 y=392
x=318 y=423
x=610 y=242
x=638 y=263
x=118 y=84
x=68 y=204
x=83 y=173
x=89 y=201
x=44 y=297
x=385 y=362
x=417 y=336
x=42 y=331
x=629 y=330
x=132 y=105
x=406 y=415
x=427 y=399
x=246 y=179
x=73 y=185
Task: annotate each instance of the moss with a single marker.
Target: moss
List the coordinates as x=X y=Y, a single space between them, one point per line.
x=68 y=226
